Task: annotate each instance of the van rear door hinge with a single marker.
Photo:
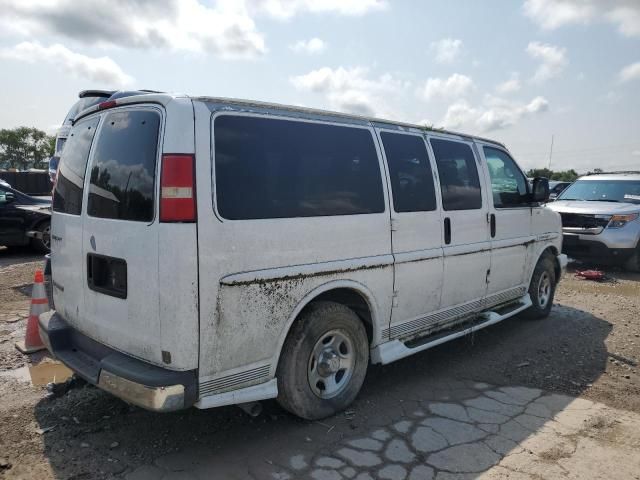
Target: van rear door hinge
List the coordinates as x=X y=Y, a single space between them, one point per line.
x=488 y=275
x=394 y=299
x=394 y=225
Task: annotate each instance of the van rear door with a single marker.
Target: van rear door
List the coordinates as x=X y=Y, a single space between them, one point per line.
x=66 y=226
x=120 y=233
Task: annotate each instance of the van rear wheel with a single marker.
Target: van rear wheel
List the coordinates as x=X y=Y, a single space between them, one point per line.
x=324 y=361
x=542 y=288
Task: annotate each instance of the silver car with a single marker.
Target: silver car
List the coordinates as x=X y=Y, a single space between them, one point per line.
x=600 y=219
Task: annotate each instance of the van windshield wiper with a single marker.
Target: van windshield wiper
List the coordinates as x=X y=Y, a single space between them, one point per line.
x=604 y=200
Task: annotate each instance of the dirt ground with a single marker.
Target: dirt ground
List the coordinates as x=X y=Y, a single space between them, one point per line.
x=588 y=348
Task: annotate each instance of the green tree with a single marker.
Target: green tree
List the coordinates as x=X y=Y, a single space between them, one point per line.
x=566 y=176
x=563 y=176
x=24 y=147
x=540 y=172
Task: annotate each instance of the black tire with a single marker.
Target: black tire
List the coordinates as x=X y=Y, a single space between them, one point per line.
x=297 y=369
x=633 y=264
x=542 y=288
x=43 y=244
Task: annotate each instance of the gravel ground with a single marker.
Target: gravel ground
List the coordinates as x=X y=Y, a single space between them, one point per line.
x=588 y=347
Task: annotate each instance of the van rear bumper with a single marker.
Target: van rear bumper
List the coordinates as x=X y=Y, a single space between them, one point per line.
x=137 y=382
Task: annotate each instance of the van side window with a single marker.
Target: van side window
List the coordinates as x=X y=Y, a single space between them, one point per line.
x=67 y=197
x=508 y=184
x=269 y=168
x=124 y=166
x=410 y=171
x=459 y=181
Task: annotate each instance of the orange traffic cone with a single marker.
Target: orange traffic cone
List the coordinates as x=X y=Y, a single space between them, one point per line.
x=39 y=304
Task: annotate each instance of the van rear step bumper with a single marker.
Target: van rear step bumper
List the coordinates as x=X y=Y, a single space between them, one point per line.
x=137 y=382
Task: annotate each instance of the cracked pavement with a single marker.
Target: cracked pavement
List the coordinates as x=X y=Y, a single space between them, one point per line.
x=470 y=430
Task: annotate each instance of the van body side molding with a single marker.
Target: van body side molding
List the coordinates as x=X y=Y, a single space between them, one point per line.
x=254 y=393
x=308 y=270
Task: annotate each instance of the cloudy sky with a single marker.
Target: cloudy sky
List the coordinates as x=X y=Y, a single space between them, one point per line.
x=518 y=71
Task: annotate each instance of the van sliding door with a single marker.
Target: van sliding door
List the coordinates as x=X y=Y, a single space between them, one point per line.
x=465 y=239
x=416 y=232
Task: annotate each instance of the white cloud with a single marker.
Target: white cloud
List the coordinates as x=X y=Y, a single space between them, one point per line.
x=501 y=114
x=627 y=17
x=511 y=85
x=495 y=113
x=447 y=49
x=458 y=114
x=456 y=85
x=629 y=73
x=553 y=14
x=311 y=46
x=553 y=60
x=351 y=90
x=636 y=153
x=98 y=69
x=610 y=98
x=225 y=29
x=286 y=9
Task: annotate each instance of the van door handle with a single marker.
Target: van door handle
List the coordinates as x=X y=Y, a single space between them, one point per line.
x=447 y=230
x=493 y=225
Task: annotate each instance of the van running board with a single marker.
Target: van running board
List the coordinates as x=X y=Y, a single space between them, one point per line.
x=396 y=349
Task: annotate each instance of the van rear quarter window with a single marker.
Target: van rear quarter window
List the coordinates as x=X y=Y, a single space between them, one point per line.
x=124 y=165
x=459 y=181
x=67 y=197
x=271 y=168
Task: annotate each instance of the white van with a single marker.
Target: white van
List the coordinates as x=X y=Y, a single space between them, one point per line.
x=209 y=251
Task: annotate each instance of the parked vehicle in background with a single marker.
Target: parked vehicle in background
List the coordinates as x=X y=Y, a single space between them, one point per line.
x=87 y=98
x=600 y=218
x=556 y=188
x=53 y=168
x=22 y=215
x=211 y=251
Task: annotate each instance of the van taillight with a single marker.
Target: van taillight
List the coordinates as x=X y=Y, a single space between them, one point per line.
x=178 y=189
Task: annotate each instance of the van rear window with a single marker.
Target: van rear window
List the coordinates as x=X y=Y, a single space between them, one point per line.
x=269 y=168
x=67 y=197
x=124 y=165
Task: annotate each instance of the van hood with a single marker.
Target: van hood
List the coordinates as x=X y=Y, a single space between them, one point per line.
x=593 y=208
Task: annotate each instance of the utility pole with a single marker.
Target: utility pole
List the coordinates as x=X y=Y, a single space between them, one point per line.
x=550 y=152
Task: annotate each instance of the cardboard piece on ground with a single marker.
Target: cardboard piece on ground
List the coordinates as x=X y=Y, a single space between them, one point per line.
x=49 y=371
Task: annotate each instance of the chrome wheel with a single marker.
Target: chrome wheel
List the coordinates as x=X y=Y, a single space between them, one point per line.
x=544 y=289
x=331 y=364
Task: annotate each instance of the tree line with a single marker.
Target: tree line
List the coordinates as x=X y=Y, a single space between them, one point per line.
x=560 y=176
x=23 y=148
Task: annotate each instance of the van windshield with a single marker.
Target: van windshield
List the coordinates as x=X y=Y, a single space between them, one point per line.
x=626 y=191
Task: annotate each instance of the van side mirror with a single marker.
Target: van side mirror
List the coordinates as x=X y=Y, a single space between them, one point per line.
x=540 y=190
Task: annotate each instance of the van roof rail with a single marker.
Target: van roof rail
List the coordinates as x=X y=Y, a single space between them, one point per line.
x=367 y=118
x=633 y=172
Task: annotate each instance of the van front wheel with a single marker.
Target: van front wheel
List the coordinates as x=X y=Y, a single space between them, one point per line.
x=323 y=362
x=542 y=289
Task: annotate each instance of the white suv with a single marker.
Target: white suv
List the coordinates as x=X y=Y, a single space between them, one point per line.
x=210 y=251
x=601 y=219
